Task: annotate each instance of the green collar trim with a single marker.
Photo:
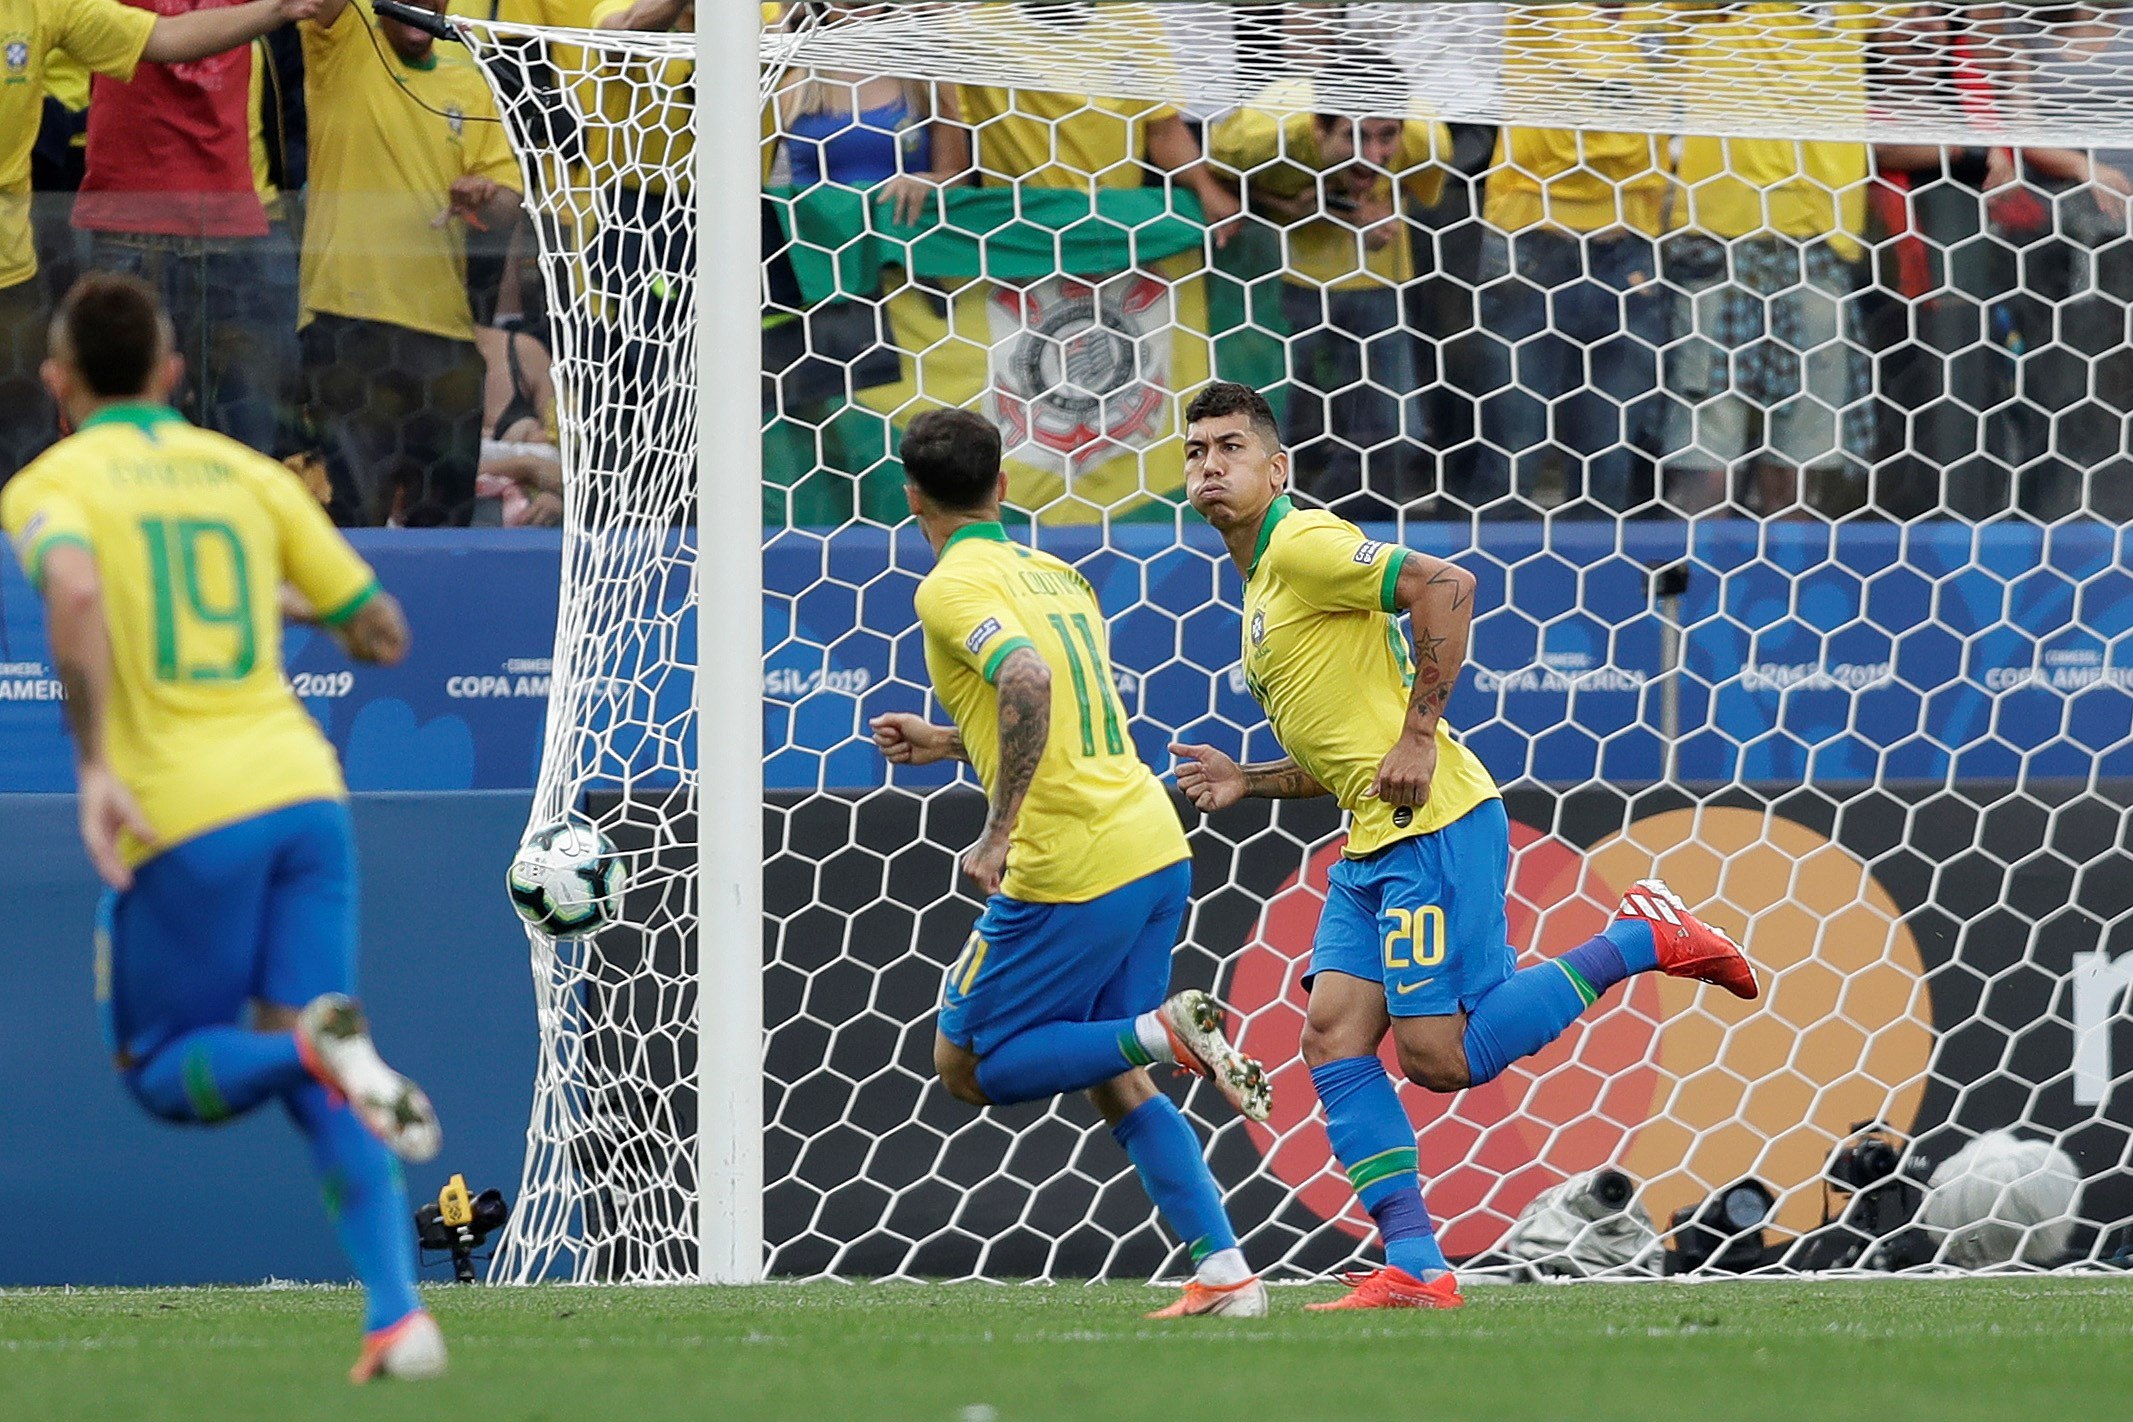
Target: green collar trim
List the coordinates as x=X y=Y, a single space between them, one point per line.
x=1278 y=510
x=993 y=532
x=141 y=414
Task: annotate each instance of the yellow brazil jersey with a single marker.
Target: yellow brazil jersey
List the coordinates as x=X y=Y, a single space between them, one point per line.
x=649 y=139
x=103 y=35
x=1325 y=251
x=1326 y=659
x=1095 y=818
x=1576 y=180
x=1052 y=140
x=193 y=536
x=387 y=140
x=1813 y=57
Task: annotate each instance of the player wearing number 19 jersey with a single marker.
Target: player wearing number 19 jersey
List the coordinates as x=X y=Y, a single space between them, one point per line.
x=1412 y=939
x=210 y=802
x=1085 y=868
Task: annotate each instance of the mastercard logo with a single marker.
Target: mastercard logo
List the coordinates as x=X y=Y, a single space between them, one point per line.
x=1684 y=1087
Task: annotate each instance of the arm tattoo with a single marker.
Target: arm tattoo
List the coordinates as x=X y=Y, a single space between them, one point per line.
x=956 y=749
x=1280 y=780
x=1462 y=586
x=1443 y=615
x=1025 y=688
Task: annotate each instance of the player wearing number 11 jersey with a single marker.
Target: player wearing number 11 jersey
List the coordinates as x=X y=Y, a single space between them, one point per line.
x=1412 y=937
x=1082 y=860
x=211 y=804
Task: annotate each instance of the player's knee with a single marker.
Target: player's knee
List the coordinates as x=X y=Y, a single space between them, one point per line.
x=159 y=1098
x=958 y=1070
x=1434 y=1066
x=1319 y=1046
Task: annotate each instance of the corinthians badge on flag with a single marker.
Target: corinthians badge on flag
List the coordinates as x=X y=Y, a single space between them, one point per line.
x=1081 y=371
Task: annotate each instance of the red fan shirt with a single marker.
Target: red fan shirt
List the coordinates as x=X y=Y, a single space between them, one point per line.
x=171 y=152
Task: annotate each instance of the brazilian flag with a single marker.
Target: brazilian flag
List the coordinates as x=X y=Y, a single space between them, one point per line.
x=1074 y=324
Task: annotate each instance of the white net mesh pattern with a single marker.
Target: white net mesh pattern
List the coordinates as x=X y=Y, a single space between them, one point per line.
x=1881 y=735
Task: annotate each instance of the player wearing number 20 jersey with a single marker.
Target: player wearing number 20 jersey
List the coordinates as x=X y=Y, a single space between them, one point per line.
x=211 y=804
x=1412 y=939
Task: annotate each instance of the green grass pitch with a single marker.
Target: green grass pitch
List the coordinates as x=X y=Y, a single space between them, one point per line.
x=1939 y=1350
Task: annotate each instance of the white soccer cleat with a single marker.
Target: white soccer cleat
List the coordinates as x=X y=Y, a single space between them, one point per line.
x=411 y=1350
x=1240 y=1300
x=334 y=1042
x=1194 y=1021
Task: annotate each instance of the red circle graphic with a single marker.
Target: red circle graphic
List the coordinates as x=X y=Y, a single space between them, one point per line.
x=1485 y=1152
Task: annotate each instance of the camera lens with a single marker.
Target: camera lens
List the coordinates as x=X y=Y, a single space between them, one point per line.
x=1745 y=1207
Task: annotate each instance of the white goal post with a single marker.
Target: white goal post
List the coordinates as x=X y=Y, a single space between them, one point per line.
x=1879 y=716
x=729 y=716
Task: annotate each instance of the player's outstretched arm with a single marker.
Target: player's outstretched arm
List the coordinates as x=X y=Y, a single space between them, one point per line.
x=1438 y=598
x=1024 y=684
x=906 y=739
x=1213 y=781
x=81 y=651
x=177 y=39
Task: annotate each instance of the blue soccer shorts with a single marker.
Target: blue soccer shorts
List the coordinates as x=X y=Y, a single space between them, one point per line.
x=261 y=909
x=1423 y=916
x=1029 y=964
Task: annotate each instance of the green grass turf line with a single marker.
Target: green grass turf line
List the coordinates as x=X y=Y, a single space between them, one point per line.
x=1941 y=1350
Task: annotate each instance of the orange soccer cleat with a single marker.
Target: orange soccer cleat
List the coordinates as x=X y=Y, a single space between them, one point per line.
x=1689 y=947
x=1246 y=1299
x=1394 y=1288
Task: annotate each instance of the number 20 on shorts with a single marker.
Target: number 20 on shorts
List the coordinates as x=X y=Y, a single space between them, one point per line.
x=1416 y=939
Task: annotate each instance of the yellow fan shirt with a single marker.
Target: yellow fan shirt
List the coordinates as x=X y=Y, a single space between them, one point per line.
x=1576 y=180
x=193 y=536
x=387 y=140
x=1053 y=140
x=1816 y=58
x=1096 y=818
x=103 y=35
x=1275 y=142
x=1326 y=659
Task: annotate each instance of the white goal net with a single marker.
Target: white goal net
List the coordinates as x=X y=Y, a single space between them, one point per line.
x=1793 y=462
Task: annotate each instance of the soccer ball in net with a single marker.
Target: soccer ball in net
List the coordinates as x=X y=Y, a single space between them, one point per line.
x=567 y=880
x=2003 y=1199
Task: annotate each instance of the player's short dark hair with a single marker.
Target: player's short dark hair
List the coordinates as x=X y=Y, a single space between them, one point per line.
x=1227 y=397
x=114 y=330
x=953 y=456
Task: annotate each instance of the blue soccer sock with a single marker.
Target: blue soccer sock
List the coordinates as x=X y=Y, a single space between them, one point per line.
x=1164 y=1150
x=1375 y=1142
x=1530 y=1009
x=367 y=1201
x=1060 y=1057
x=215 y=1073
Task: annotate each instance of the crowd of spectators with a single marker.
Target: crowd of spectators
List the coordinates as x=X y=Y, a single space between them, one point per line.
x=1507 y=320
x=328 y=206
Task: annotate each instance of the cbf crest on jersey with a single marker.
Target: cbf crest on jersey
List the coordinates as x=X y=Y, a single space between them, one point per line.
x=15 y=56
x=455 y=118
x=1259 y=627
